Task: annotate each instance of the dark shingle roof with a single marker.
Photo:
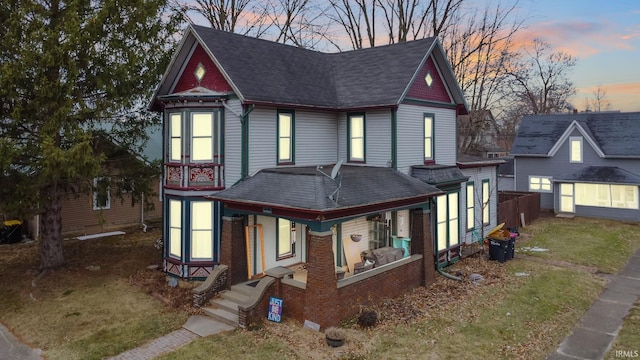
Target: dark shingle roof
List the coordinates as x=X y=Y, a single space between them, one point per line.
x=438 y=174
x=267 y=72
x=307 y=188
x=615 y=133
x=602 y=174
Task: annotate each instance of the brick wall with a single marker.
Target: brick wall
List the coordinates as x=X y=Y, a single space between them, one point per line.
x=422 y=243
x=232 y=249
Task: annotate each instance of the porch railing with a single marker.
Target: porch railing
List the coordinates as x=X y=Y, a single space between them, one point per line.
x=205 y=176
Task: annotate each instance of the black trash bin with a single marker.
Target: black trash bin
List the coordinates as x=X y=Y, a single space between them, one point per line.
x=511 y=248
x=498 y=249
x=11 y=232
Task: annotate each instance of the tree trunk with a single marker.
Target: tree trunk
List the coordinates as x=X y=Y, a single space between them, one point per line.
x=51 y=255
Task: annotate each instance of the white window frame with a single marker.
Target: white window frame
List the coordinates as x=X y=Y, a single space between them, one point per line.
x=540 y=183
x=471 y=206
x=286 y=236
x=428 y=125
x=486 y=202
x=575 y=149
x=107 y=204
x=285 y=140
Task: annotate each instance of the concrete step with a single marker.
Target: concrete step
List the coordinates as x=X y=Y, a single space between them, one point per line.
x=234 y=296
x=243 y=288
x=225 y=304
x=222 y=315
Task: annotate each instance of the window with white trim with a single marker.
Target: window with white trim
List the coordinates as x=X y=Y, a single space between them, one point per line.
x=286 y=238
x=575 y=143
x=202 y=230
x=175 y=228
x=486 y=191
x=606 y=195
x=101 y=193
x=540 y=183
x=356 y=137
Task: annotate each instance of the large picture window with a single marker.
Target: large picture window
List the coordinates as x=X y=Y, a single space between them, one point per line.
x=540 y=183
x=356 y=135
x=202 y=230
x=286 y=131
x=428 y=137
x=175 y=228
x=605 y=195
x=447 y=221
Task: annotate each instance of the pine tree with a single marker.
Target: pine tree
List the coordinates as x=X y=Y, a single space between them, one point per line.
x=69 y=70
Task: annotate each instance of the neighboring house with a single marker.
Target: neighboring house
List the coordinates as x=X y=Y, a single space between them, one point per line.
x=296 y=164
x=585 y=164
x=479 y=135
x=506 y=178
x=86 y=211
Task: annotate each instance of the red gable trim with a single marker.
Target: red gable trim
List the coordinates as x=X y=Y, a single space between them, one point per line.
x=436 y=92
x=212 y=80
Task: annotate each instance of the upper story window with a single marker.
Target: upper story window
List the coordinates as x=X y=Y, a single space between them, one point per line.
x=101 y=193
x=540 y=183
x=202 y=136
x=286 y=141
x=428 y=137
x=175 y=137
x=575 y=149
x=355 y=134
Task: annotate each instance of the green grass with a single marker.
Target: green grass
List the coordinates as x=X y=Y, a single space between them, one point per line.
x=603 y=244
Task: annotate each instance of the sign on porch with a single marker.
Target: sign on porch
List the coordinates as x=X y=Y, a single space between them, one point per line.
x=275 y=309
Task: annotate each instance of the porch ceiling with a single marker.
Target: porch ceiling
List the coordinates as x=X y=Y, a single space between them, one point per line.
x=310 y=192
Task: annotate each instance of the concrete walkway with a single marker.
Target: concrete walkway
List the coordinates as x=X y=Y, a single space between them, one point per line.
x=12 y=348
x=593 y=336
x=196 y=326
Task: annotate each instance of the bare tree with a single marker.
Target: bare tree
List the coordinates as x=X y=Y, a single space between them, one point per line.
x=598 y=102
x=541 y=83
x=296 y=22
x=357 y=19
x=221 y=14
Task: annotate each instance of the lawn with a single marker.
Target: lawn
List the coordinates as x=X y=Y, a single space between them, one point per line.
x=89 y=309
x=105 y=301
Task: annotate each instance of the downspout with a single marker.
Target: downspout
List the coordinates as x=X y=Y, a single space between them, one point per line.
x=244 y=137
x=447 y=275
x=394 y=138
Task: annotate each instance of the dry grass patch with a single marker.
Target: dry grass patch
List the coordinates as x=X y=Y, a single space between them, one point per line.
x=90 y=308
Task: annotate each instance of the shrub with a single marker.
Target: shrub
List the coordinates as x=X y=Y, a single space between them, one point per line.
x=367 y=318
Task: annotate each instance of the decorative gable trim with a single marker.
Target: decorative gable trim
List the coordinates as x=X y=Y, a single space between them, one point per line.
x=212 y=80
x=565 y=137
x=437 y=91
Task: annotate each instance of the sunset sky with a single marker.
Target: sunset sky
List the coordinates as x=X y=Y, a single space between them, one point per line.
x=605 y=37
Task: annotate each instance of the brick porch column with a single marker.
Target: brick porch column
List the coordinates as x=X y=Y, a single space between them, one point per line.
x=233 y=250
x=422 y=243
x=321 y=292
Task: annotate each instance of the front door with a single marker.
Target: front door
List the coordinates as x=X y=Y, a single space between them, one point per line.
x=566 y=198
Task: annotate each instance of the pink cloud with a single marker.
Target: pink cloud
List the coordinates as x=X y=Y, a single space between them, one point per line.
x=623 y=96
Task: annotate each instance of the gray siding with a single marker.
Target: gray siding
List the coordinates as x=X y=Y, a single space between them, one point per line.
x=262 y=139
x=232 y=143
x=559 y=166
x=378 y=138
x=316 y=138
x=411 y=136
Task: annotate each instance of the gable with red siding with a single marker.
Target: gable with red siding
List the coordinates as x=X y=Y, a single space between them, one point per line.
x=212 y=80
x=436 y=92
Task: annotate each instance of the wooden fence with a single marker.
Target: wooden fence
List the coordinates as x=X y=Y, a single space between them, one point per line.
x=514 y=207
